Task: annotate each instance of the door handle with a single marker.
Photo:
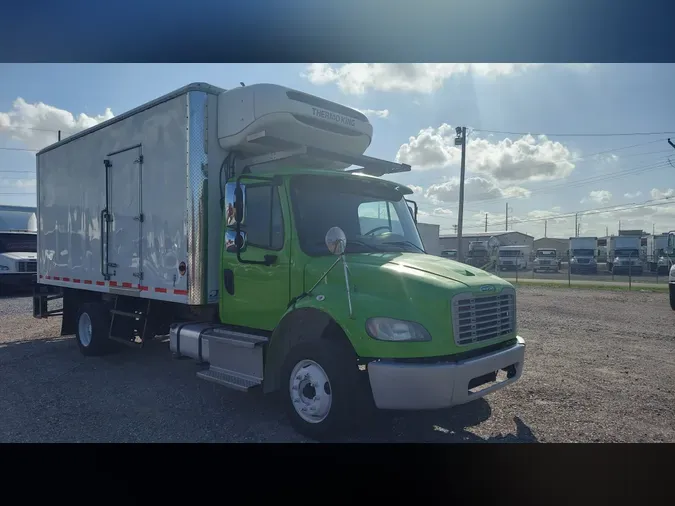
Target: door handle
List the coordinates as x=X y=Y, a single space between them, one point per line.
x=228 y=281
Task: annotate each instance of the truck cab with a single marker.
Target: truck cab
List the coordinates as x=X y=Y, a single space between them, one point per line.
x=478 y=255
x=18 y=259
x=582 y=255
x=512 y=257
x=546 y=259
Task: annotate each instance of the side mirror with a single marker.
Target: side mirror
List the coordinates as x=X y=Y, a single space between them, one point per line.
x=235 y=204
x=234 y=242
x=336 y=241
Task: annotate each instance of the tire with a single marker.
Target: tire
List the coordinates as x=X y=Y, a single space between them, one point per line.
x=344 y=397
x=672 y=296
x=92 y=326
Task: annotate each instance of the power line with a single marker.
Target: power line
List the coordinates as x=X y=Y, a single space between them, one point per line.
x=20 y=149
x=28 y=128
x=621 y=134
x=598 y=210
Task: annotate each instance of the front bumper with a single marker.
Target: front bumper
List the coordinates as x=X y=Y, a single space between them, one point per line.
x=625 y=269
x=576 y=267
x=408 y=386
x=18 y=279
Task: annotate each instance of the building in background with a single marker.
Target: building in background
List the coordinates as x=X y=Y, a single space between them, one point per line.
x=429 y=234
x=560 y=245
x=506 y=238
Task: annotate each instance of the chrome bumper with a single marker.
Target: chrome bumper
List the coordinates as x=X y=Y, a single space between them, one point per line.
x=404 y=386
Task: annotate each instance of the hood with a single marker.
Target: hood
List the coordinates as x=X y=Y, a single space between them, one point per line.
x=18 y=256
x=435 y=269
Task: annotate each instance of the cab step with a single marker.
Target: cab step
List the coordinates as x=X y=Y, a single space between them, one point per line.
x=229 y=379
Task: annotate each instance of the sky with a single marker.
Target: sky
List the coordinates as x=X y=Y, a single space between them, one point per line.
x=548 y=141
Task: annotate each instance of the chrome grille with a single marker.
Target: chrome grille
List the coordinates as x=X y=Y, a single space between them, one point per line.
x=27 y=266
x=477 y=318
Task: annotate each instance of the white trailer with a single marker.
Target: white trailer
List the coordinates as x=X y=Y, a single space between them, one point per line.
x=624 y=255
x=430 y=237
x=582 y=255
x=658 y=259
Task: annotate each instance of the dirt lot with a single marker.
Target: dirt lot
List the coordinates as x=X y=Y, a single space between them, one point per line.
x=600 y=366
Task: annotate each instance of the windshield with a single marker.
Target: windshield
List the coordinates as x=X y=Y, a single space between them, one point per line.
x=18 y=243
x=627 y=252
x=583 y=252
x=510 y=253
x=548 y=253
x=373 y=216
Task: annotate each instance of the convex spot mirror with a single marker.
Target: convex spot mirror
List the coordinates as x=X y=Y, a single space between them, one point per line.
x=234 y=241
x=336 y=241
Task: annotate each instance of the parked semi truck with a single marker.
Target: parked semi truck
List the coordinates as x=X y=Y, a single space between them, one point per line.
x=624 y=255
x=249 y=226
x=18 y=248
x=513 y=257
x=478 y=254
x=546 y=259
x=582 y=255
x=658 y=258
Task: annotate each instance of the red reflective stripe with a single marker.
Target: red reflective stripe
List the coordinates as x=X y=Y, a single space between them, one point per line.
x=57 y=278
x=48 y=277
x=40 y=276
x=180 y=292
x=160 y=290
x=100 y=283
x=87 y=281
x=112 y=283
x=76 y=280
x=66 y=279
x=126 y=285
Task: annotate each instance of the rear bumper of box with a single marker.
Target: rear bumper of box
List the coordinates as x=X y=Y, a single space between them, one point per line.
x=406 y=386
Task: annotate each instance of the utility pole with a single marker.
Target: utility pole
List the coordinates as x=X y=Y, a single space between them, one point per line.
x=545 y=227
x=460 y=140
x=576 y=225
x=606 y=231
x=507 y=216
x=486 y=214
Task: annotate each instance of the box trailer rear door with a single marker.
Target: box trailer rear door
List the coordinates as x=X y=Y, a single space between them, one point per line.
x=122 y=244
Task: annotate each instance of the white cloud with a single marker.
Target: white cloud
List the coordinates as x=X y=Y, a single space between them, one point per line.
x=475 y=189
x=525 y=159
x=632 y=195
x=600 y=196
x=37 y=124
x=377 y=113
x=662 y=194
x=357 y=78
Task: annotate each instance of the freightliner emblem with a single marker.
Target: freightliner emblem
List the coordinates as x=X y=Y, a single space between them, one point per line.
x=487 y=288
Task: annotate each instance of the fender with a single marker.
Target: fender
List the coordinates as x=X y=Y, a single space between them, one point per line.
x=303 y=322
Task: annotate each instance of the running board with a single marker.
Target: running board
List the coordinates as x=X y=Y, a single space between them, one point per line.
x=235 y=358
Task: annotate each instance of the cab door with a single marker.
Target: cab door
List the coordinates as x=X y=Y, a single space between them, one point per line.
x=255 y=283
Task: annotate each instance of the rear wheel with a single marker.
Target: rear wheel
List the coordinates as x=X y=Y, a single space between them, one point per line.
x=92 y=328
x=324 y=393
x=672 y=296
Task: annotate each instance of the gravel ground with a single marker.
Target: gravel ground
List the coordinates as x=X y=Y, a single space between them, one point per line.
x=600 y=366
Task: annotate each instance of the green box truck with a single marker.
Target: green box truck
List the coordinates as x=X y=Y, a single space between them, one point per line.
x=248 y=225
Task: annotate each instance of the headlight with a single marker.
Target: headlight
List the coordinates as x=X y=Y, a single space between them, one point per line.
x=4 y=268
x=591 y=261
x=389 y=329
x=573 y=260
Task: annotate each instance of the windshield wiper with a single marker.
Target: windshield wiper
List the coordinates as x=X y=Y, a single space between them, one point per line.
x=354 y=242
x=408 y=243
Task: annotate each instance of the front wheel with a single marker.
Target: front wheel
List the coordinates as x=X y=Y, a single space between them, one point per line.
x=672 y=296
x=323 y=390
